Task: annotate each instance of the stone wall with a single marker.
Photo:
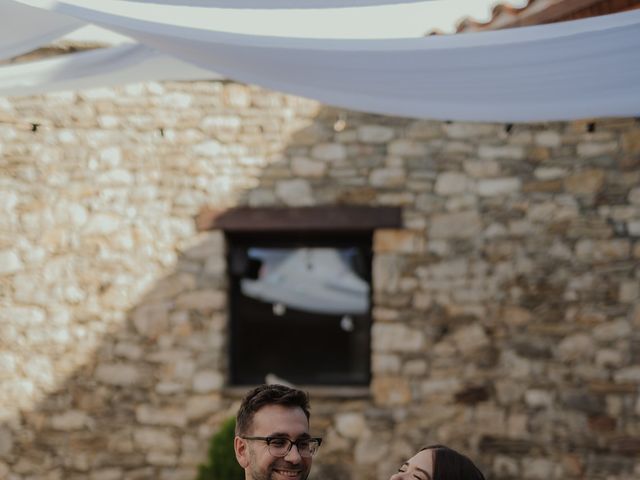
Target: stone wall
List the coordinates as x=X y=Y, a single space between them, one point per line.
x=506 y=312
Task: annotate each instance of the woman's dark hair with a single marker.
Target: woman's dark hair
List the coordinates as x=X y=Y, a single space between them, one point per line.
x=265 y=395
x=451 y=465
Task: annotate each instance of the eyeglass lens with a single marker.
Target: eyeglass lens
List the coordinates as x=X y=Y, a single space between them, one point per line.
x=280 y=447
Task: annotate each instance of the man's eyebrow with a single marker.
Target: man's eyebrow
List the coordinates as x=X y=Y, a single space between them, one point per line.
x=286 y=435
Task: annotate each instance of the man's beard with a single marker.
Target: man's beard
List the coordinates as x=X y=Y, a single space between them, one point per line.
x=269 y=474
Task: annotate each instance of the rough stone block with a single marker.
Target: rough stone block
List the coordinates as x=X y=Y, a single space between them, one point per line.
x=628 y=374
x=440 y=386
x=6 y=441
x=603 y=250
x=385 y=363
x=407 y=148
x=470 y=338
x=70 y=420
x=612 y=330
x=150 y=415
x=548 y=138
x=575 y=347
x=306 y=167
x=204 y=301
x=453 y=183
x=507 y=152
x=593 y=149
x=537 y=468
x=152 y=320
x=464 y=130
x=236 y=95
x=296 y=193
x=455 y=225
x=398 y=241
x=107 y=474
x=607 y=358
x=482 y=168
x=207 y=381
x=10 y=262
x=550 y=173
x=396 y=337
x=586 y=182
x=498 y=186
x=155 y=439
x=387 y=177
x=537 y=398
x=329 y=152
x=387 y=272
x=118 y=374
x=390 y=391
x=103 y=224
x=351 y=424
x=375 y=133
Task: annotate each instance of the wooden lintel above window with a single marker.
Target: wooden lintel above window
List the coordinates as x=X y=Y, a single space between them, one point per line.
x=283 y=219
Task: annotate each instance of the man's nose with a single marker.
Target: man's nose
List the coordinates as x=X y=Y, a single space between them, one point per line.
x=294 y=455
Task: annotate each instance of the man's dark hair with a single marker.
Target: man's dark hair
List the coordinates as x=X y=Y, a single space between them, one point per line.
x=264 y=395
x=451 y=465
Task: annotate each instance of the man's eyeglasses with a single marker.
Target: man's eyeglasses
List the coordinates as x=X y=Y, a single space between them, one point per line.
x=281 y=446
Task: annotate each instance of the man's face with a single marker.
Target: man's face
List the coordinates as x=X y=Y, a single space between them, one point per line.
x=254 y=456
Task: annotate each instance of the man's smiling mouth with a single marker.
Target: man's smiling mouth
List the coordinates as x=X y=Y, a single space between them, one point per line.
x=287 y=473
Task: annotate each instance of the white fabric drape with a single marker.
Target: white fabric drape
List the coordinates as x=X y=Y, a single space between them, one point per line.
x=281 y=4
x=96 y=68
x=562 y=71
x=24 y=28
x=309 y=279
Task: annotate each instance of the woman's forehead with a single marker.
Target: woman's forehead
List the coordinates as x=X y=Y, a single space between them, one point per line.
x=422 y=459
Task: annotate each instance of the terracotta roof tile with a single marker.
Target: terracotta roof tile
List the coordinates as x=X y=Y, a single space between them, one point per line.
x=537 y=12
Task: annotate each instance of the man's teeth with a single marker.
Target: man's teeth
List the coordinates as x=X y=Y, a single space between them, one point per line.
x=287 y=473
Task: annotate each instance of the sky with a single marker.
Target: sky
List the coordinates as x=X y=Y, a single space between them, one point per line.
x=393 y=21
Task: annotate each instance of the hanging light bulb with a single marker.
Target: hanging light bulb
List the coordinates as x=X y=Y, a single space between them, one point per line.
x=279 y=309
x=346 y=323
x=341 y=122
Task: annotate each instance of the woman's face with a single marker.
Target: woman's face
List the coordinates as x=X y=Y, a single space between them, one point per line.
x=418 y=467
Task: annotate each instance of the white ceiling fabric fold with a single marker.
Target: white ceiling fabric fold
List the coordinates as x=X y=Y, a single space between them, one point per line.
x=562 y=71
x=24 y=28
x=96 y=68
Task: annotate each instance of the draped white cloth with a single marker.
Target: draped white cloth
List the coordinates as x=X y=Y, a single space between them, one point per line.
x=562 y=71
x=281 y=4
x=96 y=68
x=23 y=28
x=309 y=279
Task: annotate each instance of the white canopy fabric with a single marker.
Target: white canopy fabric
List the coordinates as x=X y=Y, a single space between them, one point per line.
x=280 y=4
x=96 y=68
x=308 y=279
x=563 y=71
x=24 y=28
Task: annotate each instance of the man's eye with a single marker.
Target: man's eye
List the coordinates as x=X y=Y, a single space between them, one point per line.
x=278 y=442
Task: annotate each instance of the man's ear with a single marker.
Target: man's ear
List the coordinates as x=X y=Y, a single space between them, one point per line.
x=242 y=455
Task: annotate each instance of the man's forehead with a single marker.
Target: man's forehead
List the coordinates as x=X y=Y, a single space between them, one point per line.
x=272 y=419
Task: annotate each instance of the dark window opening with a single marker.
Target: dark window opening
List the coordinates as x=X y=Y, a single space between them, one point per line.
x=300 y=307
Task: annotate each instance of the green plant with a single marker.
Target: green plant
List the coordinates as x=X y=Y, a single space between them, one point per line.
x=222 y=463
